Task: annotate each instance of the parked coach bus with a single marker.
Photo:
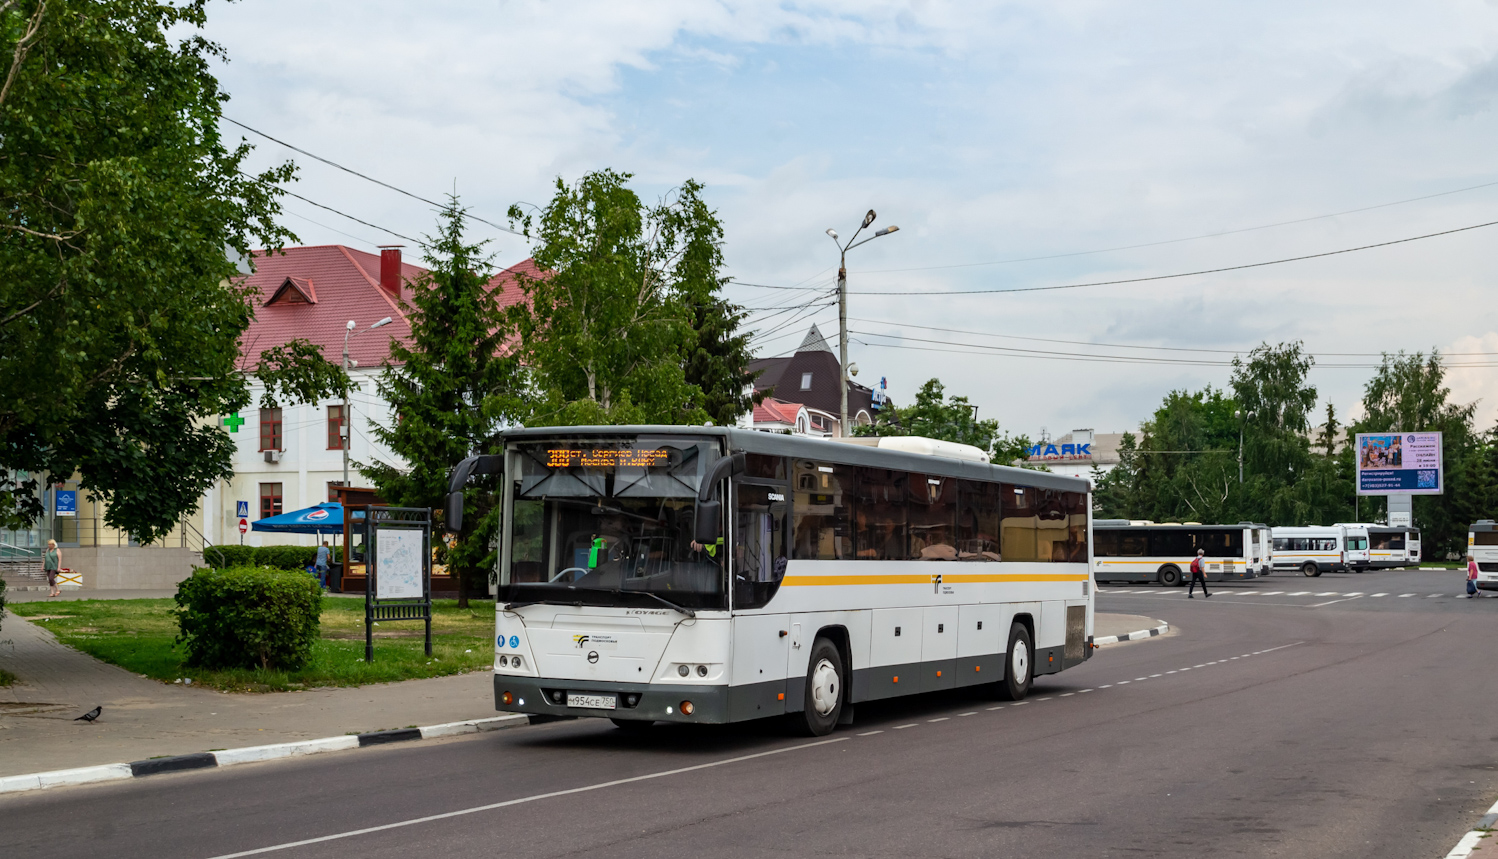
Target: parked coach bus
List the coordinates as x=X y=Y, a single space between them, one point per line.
x=1127 y=551
x=1317 y=549
x=711 y=574
x=1482 y=545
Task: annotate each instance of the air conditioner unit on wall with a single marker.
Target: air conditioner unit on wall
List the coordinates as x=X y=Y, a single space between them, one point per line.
x=273 y=456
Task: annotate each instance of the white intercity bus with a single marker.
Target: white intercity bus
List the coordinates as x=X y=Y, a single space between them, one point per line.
x=1142 y=551
x=711 y=574
x=1393 y=546
x=1482 y=545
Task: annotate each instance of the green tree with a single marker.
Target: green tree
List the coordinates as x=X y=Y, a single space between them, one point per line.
x=453 y=387
x=607 y=335
x=120 y=314
x=948 y=418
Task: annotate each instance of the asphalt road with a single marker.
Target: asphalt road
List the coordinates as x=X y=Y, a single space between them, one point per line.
x=1294 y=724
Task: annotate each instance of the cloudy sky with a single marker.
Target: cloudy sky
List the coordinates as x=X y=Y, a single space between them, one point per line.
x=1016 y=145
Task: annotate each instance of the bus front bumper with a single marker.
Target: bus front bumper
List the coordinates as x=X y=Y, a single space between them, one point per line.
x=657 y=702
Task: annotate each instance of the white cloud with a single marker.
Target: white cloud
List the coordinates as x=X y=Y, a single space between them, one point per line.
x=986 y=131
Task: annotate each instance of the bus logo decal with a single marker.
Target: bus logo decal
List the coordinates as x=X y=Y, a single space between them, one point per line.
x=579 y=640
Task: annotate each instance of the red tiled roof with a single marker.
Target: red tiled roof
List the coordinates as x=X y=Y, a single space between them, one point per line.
x=776 y=411
x=339 y=283
x=347 y=287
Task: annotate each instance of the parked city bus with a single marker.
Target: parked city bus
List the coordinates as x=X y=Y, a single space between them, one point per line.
x=1317 y=549
x=1261 y=549
x=1482 y=545
x=1142 y=551
x=713 y=574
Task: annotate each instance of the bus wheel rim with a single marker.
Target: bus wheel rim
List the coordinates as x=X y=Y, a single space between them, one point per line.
x=824 y=689
x=1020 y=661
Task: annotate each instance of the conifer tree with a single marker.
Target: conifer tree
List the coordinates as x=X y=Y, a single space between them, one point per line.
x=451 y=390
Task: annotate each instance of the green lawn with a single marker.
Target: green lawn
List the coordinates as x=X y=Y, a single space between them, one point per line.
x=139 y=636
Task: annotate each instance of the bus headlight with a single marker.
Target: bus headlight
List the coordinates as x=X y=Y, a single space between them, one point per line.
x=702 y=671
x=504 y=662
x=514 y=662
x=683 y=670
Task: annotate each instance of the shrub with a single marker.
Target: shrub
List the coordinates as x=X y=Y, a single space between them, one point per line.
x=219 y=557
x=248 y=617
x=286 y=557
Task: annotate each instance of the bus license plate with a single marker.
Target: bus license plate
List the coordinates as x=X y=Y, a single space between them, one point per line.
x=593 y=702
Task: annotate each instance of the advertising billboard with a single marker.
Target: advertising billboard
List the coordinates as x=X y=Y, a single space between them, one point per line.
x=1407 y=463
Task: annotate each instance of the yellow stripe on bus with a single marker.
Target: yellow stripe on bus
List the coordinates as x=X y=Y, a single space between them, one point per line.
x=946 y=578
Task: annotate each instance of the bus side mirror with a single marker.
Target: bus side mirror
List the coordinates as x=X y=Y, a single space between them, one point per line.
x=453 y=512
x=709 y=510
x=708 y=516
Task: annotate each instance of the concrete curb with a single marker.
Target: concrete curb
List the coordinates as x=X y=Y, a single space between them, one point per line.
x=1134 y=636
x=1464 y=847
x=251 y=754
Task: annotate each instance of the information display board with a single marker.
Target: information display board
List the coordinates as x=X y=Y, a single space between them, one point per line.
x=1399 y=463
x=400 y=563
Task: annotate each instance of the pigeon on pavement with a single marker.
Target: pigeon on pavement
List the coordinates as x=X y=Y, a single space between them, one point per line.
x=90 y=715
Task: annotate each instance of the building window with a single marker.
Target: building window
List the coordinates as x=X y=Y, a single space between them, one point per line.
x=270 y=429
x=333 y=489
x=805 y=381
x=270 y=499
x=335 y=428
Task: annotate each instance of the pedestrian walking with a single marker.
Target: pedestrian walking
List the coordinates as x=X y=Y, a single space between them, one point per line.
x=323 y=555
x=1198 y=574
x=51 y=563
x=1471 y=577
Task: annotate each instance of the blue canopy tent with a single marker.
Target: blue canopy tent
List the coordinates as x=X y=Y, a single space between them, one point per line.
x=324 y=518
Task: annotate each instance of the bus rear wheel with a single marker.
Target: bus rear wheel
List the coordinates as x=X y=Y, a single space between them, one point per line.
x=824 y=689
x=1018 y=664
x=1309 y=569
x=1170 y=576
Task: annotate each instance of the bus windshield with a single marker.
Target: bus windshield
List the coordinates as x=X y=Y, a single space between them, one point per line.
x=611 y=524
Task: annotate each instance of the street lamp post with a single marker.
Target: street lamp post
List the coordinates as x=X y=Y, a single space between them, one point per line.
x=348 y=364
x=842 y=309
x=1241 y=420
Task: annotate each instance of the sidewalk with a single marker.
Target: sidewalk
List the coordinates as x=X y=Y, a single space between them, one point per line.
x=144 y=718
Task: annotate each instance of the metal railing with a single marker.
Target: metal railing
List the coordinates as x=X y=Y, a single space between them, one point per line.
x=88 y=532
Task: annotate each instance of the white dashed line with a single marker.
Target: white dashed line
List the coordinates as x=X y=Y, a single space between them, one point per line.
x=1355 y=594
x=1298 y=594
x=1327 y=594
x=1154 y=675
x=1019 y=703
x=1273 y=593
x=969 y=713
x=870 y=733
x=942 y=719
x=1433 y=596
x=1067 y=694
x=1406 y=595
x=1000 y=707
x=901 y=727
x=1380 y=595
x=1084 y=690
x=1122 y=683
x=1105 y=686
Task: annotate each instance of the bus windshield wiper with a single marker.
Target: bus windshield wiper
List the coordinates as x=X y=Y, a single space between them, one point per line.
x=511 y=606
x=662 y=600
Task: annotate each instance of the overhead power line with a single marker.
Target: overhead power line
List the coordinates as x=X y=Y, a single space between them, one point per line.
x=1178 y=274
x=1129 y=346
x=1189 y=238
x=367 y=178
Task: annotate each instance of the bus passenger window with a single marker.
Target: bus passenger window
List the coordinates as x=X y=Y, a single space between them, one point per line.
x=933 y=511
x=879 y=516
x=821 y=530
x=977 y=521
x=1020 y=521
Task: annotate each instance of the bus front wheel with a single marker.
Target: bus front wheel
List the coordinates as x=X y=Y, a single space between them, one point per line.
x=1018 y=665
x=1309 y=569
x=824 y=689
x=1170 y=576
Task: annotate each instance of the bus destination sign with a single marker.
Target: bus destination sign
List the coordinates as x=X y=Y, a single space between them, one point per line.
x=606 y=457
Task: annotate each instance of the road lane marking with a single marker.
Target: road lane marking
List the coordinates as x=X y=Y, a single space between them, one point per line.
x=1084 y=690
x=1355 y=593
x=1380 y=595
x=1433 y=596
x=1327 y=594
x=1019 y=703
x=872 y=733
x=1154 y=675
x=942 y=719
x=1406 y=595
x=1067 y=694
x=969 y=713
x=902 y=727
x=1329 y=602
x=1297 y=594
x=400 y=824
x=1273 y=593
x=1000 y=707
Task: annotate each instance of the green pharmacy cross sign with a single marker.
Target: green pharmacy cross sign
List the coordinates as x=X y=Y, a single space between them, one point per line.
x=234 y=422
